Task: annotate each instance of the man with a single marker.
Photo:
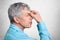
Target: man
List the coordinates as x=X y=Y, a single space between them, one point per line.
x=21 y=16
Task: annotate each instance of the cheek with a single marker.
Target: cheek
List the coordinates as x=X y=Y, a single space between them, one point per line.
x=25 y=22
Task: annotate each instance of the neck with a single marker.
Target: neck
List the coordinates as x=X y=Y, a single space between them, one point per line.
x=20 y=26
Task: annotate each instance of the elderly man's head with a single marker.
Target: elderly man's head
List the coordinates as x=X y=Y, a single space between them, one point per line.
x=19 y=13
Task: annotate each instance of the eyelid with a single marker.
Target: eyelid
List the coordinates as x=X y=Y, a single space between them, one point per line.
x=27 y=14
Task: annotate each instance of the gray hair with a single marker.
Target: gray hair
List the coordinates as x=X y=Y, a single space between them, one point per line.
x=15 y=10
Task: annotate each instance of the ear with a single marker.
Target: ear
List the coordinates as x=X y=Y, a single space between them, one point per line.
x=16 y=19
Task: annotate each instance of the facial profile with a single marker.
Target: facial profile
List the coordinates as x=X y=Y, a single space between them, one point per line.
x=25 y=19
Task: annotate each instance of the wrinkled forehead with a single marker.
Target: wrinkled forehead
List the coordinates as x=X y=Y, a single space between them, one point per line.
x=25 y=8
x=25 y=11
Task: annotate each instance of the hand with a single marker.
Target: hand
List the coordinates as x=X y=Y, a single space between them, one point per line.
x=35 y=15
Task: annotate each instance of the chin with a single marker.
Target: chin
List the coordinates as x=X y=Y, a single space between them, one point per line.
x=28 y=26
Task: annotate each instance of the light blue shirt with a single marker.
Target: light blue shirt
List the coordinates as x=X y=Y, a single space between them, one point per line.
x=15 y=33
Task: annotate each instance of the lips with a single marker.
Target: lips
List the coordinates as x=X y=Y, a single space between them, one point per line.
x=30 y=22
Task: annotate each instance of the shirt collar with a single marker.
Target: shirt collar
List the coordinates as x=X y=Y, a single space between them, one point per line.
x=15 y=27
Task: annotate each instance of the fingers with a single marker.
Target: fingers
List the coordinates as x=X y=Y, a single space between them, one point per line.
x=33 y=13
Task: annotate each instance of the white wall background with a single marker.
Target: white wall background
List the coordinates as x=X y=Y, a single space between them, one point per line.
x=49 y=10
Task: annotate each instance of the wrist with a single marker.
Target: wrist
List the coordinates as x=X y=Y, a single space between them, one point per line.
x=39 y=20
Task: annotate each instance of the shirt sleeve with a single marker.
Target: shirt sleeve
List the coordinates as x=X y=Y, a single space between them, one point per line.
x=43 y=32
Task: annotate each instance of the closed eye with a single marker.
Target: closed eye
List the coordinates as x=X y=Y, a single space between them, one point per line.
x=27 y=14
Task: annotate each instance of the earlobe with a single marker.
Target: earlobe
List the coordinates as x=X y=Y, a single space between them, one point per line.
x=16 y=19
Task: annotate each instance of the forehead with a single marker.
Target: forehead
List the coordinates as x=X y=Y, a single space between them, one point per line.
x=26 y=10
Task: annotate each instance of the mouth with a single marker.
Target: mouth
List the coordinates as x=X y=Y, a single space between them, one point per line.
x=30 y=22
